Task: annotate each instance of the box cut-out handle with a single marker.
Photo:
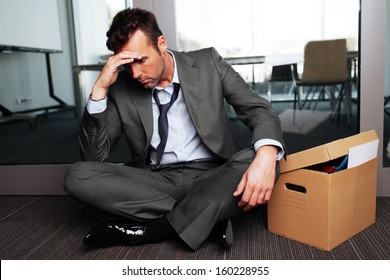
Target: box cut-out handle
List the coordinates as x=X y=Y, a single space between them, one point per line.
x=296 y=188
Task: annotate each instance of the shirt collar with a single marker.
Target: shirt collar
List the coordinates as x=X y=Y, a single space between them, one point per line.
x=175 y=75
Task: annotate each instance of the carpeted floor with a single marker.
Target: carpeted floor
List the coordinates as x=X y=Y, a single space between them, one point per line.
x=52 y=228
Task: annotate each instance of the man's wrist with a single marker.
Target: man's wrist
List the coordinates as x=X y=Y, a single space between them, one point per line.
x=98 y=93
x=270 y=150
x=95 y=99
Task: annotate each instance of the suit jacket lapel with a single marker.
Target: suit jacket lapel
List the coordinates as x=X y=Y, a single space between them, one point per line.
x=189 y=78
x=143 y=102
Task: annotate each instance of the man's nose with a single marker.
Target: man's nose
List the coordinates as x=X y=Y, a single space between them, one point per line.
x=135 y=69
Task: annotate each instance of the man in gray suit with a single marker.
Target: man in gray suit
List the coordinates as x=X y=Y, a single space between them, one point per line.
x=186 y=174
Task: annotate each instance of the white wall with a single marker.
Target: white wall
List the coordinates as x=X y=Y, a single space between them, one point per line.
x=23 y=75
x=91 y=24
x=165 y=12
x=372 y=81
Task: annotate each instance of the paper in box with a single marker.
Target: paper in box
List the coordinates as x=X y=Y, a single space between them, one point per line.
x=324 y=209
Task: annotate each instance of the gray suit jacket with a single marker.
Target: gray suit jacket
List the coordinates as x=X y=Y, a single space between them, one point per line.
x=206 y=81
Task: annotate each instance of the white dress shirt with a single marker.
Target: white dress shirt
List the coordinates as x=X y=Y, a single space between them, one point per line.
x=183 y=143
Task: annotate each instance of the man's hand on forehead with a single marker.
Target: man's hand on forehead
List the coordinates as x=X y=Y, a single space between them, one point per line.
x=125 y=57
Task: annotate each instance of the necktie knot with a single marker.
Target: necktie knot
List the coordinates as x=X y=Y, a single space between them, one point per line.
x=174 y=96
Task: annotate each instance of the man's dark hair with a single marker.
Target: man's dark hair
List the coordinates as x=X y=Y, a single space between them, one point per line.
x=127 y=22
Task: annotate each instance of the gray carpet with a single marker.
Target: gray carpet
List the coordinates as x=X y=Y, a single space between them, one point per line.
x=52 y=228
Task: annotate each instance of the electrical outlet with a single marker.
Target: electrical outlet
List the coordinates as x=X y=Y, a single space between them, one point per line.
x=24 y=100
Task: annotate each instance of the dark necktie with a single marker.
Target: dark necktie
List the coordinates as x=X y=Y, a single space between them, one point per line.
x=163 y=121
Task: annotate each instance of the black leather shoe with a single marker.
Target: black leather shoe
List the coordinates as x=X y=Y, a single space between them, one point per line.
x=115 y=232
x=222 y=233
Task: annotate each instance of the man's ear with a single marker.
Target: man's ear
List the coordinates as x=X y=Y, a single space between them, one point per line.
x=162 y=44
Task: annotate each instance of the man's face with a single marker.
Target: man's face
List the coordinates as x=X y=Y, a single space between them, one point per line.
x=148 y=70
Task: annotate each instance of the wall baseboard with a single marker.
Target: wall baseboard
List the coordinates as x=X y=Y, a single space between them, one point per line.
x=32 y=179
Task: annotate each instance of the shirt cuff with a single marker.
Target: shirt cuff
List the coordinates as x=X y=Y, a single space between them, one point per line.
x=96 y=106
x=270 y=142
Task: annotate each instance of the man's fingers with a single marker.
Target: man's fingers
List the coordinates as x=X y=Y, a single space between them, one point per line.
x=252 y=198
x=122 y=58
x=247 y=199
x=240 y=187
x=115 y=63
x=267 y=196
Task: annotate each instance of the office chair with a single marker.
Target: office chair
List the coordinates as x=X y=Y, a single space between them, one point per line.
x=283 y=73
x=325 y=71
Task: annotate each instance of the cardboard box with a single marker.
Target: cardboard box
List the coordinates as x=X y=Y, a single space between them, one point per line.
x=324 y=209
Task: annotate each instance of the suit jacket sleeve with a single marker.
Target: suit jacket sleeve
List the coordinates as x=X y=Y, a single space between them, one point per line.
x=255 y=111
x=99 y=133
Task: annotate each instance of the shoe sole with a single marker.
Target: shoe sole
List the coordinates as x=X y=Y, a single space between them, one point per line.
x=229 y=233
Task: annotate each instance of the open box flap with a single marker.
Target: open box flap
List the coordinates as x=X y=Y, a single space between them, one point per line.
x=325 y=152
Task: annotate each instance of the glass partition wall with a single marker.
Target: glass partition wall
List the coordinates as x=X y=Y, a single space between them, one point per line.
x=279 y=30
x=51 y=137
